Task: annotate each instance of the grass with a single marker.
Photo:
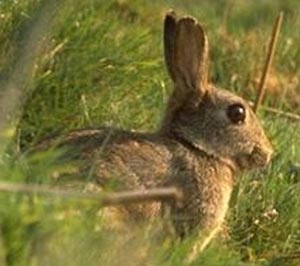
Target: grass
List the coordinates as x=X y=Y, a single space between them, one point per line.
x=102 y=64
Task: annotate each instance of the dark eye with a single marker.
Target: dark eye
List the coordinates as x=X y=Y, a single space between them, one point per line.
x=236 y=113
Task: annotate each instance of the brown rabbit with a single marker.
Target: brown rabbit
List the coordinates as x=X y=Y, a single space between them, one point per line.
x=207 y=135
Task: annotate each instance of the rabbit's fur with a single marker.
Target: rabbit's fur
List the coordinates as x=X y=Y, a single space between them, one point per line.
x=198 y=148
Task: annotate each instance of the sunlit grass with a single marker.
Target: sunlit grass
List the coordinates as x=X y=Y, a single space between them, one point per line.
x=103 y=65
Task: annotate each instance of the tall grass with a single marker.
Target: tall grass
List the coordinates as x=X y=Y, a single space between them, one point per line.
x=103 y=65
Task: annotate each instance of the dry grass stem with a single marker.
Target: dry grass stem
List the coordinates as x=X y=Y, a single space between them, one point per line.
x=269 y=59
x=289 y=115
x=106 y=199
x=275 y=111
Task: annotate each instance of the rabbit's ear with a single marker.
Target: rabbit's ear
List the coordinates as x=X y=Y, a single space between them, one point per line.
x=191 y=56
x=169 y=42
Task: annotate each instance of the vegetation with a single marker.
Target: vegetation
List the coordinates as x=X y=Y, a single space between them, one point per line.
x=101 y=63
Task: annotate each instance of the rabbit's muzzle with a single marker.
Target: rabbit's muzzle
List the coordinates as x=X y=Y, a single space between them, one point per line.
x=259 y=157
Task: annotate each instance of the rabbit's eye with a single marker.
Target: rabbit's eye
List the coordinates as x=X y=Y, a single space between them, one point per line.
x=236 y=113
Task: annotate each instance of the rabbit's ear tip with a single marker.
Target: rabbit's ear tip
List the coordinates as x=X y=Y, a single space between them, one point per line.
x=189 y=19
x=171 y=15
x=190 y=22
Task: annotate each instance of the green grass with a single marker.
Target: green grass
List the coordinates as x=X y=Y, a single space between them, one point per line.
x=102 y=64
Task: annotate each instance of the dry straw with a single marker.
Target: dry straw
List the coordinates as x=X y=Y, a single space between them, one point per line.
x=264 y=77
x=269 y=60
x=105 y=199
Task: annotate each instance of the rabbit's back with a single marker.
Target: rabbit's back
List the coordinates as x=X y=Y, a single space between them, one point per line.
x=117 y=158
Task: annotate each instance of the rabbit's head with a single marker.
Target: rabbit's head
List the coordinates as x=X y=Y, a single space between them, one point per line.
x=213 y=120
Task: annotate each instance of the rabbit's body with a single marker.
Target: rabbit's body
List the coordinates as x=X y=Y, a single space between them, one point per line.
x=207 y=134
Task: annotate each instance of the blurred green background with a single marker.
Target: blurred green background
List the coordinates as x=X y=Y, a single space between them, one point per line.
x=101 y=63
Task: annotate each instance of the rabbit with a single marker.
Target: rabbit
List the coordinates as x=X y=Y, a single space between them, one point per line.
x=207 y=136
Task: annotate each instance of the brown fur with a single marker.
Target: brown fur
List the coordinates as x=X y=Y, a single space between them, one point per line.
x=198 y=149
